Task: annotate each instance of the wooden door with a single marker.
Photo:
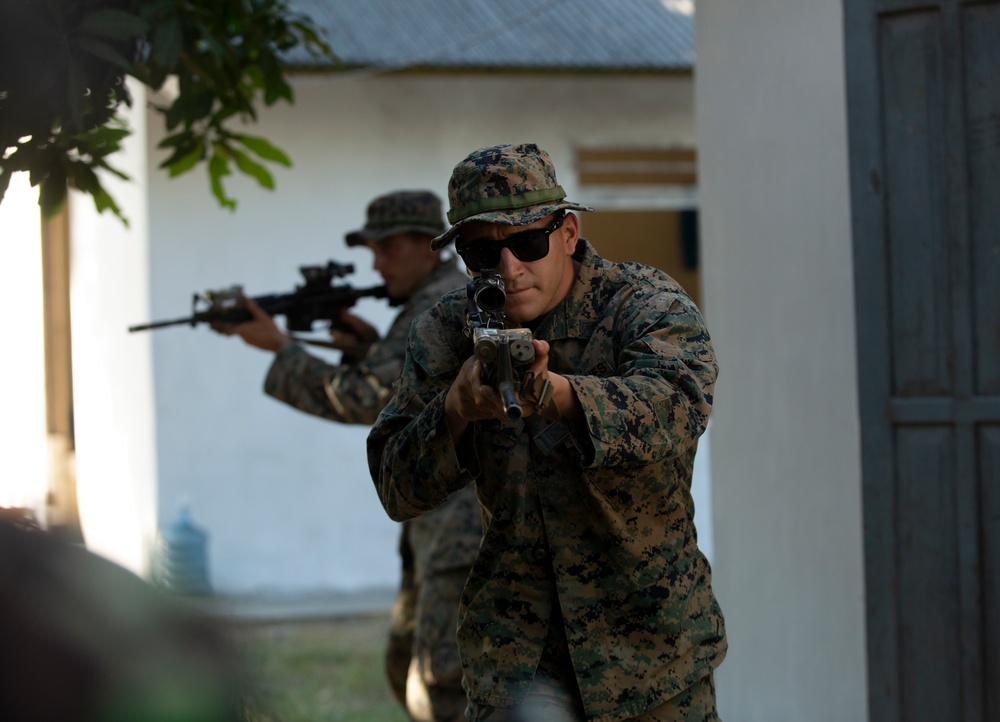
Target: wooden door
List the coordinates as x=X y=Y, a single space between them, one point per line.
x=923 y=83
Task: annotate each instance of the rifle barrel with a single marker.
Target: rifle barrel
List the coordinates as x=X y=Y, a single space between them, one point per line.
x=505 y=382
x=161 y=324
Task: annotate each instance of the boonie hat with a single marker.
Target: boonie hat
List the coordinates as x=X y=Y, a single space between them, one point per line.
x=400 y=212
x=508 y=184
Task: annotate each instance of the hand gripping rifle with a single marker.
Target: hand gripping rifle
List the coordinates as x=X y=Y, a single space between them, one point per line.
x=504 y=352
x=318 y=299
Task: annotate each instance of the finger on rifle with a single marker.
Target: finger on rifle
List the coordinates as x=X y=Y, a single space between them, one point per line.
x=540 y=364
x=363 y=330
x=255 y=310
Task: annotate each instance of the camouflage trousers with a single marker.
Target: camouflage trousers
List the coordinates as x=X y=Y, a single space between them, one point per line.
x=424 y=670
x=553 y=703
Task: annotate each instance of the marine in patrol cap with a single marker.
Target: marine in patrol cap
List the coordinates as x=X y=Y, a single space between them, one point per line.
x=512 y=185
x=400 y=212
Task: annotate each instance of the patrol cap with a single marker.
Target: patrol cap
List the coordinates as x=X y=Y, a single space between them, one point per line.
x=400 y=212
x=508 y=184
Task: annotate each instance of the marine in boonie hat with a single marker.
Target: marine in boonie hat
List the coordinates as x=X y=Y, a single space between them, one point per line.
x=508 y=184
x=400 y=212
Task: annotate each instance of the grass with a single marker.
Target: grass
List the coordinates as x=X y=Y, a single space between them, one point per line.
x=313 y=671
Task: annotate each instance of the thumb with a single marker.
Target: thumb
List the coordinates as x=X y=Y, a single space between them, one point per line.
x=255 y=310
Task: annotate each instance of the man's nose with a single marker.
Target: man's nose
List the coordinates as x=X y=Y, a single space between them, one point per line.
x=509 y=265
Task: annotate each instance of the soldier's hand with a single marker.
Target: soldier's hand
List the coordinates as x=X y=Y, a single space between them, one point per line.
x=260 y=331
x=558 y=402
x=355 y=341
x=469 y=399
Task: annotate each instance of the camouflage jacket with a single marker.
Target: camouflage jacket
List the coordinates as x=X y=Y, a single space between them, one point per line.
x=354 y=394
x=599 y=526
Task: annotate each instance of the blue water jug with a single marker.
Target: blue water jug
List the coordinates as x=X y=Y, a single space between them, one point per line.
x=182 y=559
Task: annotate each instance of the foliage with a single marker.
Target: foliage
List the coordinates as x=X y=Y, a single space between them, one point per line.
x=63 y=66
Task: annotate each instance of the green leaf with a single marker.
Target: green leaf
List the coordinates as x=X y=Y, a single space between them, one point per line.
x=227 y=54
x=184 y=160
x=113 y=171
x=174 y=114
x=103 y=139
x=218 y=167
x=154 y=10
x=167 y=42
x=313 y=42
x=200 y=105
x=77 y=94
x=103 y=201
x=111 y=23
x=264 y=149
x=252 y=168
x=52 y=192
x=215 y=46
x=84 y=178
x=185 y=137
x=108 y=136
x=102 y=51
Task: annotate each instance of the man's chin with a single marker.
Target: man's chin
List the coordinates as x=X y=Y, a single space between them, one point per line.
x=515 y=316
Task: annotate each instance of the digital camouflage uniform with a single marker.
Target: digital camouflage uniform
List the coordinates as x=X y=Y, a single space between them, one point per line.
x=437 y=550
x=589 y=551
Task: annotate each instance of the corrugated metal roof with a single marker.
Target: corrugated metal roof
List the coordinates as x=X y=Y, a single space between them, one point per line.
x=549 y=35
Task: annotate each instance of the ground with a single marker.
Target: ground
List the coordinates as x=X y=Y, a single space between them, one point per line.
x=320 y=670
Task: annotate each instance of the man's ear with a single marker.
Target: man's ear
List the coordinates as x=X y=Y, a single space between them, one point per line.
x=572 y=225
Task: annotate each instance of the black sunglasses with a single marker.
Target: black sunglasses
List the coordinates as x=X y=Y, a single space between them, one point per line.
x=532 y=245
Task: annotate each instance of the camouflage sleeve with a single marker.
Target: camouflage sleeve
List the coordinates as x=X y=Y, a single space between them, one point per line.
x=348 y=394
x=412 y=459
x=656 y=403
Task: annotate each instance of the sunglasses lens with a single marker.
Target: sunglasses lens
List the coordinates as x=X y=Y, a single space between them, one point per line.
x=480 y=254
x=526 y=246
x=530 y=245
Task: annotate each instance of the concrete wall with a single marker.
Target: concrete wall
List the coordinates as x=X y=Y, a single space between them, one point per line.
x=112 y=372
x=287 y=498
x=779 y=301
x=24 y=474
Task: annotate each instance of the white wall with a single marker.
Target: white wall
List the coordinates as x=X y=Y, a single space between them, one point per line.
x=24 y=470
x=779 y=300
x=112 y=373
x=286 y=498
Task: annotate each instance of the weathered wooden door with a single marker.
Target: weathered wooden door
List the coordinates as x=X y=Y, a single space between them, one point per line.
x=923 y=82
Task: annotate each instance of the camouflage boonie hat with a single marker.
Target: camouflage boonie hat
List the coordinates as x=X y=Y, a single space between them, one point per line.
x=508 y=184
x=400 y=212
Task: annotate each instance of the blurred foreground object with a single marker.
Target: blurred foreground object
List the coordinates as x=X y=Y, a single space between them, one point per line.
x=84 y=639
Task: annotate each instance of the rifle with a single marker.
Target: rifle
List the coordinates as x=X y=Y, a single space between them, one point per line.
x=318 y=299
x=503 y=351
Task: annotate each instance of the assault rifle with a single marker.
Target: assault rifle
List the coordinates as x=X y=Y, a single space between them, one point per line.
x=504 y=352
x=318 y=299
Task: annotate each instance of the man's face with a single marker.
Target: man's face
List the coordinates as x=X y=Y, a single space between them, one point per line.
x=533 y=287
x=403 y=260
